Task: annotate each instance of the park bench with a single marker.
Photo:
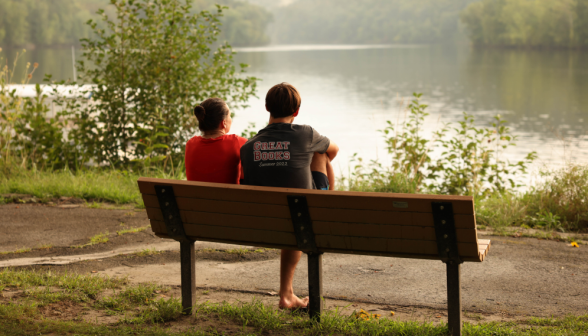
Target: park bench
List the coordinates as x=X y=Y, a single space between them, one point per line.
x=315 y=221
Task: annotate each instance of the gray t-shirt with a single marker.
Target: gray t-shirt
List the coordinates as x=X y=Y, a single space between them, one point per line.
x=280 y=155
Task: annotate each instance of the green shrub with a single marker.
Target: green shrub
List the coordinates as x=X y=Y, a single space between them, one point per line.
x=471 y=161
x=562 y=197
x=500 y=210
x=374 y=177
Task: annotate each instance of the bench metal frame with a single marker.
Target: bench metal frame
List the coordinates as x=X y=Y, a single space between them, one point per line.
x=444 y=230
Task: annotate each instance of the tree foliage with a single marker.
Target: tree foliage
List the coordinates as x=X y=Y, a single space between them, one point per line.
x=528 y=23
x=244 y=24
x=368 y=21
x=151 y=65
x=63 y=22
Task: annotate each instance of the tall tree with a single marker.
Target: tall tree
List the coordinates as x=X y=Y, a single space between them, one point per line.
x=151 y=64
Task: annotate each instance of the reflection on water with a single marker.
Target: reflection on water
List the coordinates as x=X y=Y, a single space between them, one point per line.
x=57 y=62
x=349 y=92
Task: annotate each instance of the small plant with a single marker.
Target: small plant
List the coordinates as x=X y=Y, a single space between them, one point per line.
x=409 y=148
x=160 y=311
x=238 y=251
x=133 y=230
x=100 y=238
x=547 y=221
x=21 y=250
x=147 y=252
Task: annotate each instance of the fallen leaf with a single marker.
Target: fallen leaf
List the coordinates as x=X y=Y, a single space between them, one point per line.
x=438 y=316
x=392 y=313
x=93 y=271
x=272 y=293
x=574 y=244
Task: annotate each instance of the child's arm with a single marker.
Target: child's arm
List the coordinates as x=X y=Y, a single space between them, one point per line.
x=332 y=151
x=330 y=175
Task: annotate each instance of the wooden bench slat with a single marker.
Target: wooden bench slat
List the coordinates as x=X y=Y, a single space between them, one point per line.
x=390 y=245
x=385 y=217
x=247 y=236
x=387 y=231
x=315 y=198
x=207 y=218
x=233 y=208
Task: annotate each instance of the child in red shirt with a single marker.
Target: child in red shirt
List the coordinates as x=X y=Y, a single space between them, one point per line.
x=214 y=156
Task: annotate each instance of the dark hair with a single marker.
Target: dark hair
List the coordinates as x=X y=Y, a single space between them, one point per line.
x=210 y=113
x=282 y=100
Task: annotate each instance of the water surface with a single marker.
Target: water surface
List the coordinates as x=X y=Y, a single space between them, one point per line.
x=348 y=92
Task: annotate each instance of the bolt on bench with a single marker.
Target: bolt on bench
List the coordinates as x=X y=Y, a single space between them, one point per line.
x=433 y=227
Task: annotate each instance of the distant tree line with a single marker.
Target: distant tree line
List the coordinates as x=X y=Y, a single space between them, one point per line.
x=63 y=22
x=47 y=22
x=528 y=23
x=368 y=21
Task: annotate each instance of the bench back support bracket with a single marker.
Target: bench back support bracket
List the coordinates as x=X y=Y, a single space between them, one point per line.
x=306 y=242
x=445 y=232
x=449 y=254
x=302 y=224
x=171 y=213
x=175 y=229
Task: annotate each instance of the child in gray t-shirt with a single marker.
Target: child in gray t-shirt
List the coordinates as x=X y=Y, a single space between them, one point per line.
x=288 y=155
x=284 y=154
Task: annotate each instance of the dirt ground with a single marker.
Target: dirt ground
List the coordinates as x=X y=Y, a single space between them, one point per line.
x=521 y=277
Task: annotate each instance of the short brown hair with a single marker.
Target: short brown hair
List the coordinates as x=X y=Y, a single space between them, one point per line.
x=282 y=100
x=210 y=113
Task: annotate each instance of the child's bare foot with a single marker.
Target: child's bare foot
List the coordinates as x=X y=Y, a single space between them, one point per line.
x=292 y=302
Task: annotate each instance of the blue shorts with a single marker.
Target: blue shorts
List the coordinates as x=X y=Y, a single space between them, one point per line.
x=321 y=181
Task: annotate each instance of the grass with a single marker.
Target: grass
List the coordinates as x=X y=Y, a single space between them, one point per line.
x=140 y=312
x=92 y=185
x=133 y=230
x=100 y=238
x=147 y=252
x=240 y=251
x=21 y=250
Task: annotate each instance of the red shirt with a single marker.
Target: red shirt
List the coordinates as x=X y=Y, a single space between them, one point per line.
x=214 y=160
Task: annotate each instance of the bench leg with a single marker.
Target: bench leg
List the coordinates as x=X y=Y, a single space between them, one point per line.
x=453 y=298
x=188 y=273
x=315 y=285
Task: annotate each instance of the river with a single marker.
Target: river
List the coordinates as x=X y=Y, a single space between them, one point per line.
x=348 y=92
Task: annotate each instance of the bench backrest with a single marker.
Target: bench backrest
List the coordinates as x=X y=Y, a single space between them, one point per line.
x=399 y=225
